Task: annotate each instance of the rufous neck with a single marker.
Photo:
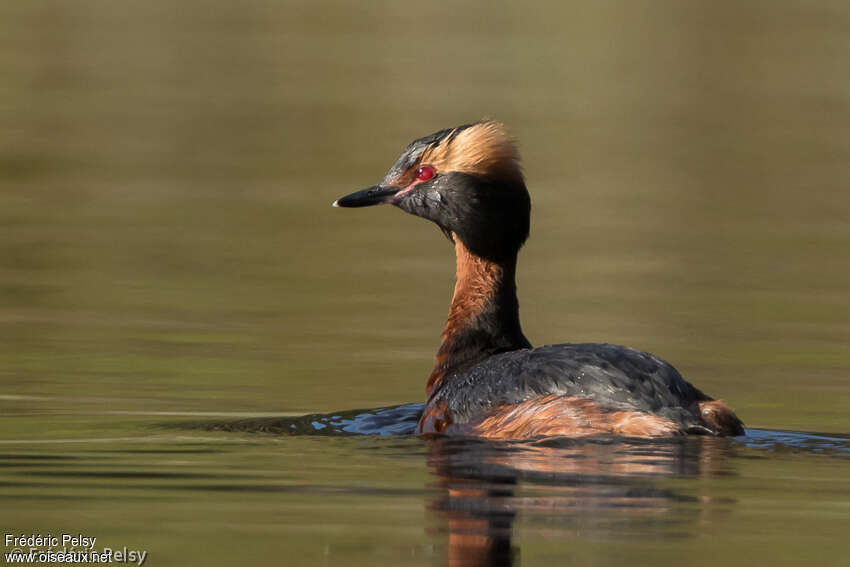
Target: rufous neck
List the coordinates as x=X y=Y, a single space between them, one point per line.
x=483 y=316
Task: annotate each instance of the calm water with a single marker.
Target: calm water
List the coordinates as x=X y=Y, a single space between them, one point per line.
x=175 y=288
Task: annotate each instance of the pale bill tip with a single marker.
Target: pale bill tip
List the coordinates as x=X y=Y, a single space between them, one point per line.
x=335 y=203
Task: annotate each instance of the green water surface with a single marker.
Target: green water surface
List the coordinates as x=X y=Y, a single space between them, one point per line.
x=168 y=254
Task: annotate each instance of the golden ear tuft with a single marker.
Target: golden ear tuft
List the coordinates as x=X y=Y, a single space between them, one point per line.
x=484 y=148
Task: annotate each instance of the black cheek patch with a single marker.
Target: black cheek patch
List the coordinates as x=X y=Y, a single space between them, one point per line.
x=490 y=216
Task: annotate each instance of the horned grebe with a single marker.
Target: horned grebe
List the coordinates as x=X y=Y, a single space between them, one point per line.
x=488 y=380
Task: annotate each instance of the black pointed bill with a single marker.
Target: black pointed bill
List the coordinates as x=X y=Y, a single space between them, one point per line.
x=374 y=195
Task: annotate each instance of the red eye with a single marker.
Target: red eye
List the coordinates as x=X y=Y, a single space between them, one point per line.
x=425 y=173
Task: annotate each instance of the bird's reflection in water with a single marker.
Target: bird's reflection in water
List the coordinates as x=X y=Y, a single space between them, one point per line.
x=595 y=486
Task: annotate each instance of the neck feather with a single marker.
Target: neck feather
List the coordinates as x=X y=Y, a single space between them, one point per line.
x=483 y=317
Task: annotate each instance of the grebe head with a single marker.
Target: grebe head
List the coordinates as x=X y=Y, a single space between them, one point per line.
x=467 y=180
